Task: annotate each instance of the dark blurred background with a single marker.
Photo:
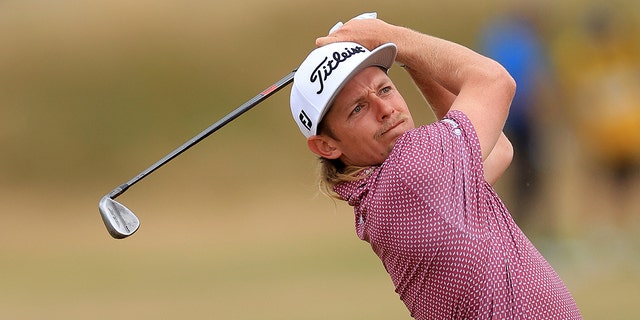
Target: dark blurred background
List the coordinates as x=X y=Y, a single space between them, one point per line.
x=93 y=92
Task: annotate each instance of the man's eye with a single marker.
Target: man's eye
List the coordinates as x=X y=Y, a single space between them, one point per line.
x=385 y=90
x=357 y=109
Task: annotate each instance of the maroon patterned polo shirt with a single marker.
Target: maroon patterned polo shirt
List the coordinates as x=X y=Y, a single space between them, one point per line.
x=444 y=236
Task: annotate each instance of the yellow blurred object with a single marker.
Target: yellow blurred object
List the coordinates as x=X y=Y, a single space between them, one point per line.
x=609 y=115
x=599 y=67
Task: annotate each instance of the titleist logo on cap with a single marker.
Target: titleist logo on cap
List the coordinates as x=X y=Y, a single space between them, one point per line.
x=322 y=72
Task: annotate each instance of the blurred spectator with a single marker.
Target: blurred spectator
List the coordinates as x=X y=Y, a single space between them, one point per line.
x=513 y=40
x=599 y=65
x=602 y=70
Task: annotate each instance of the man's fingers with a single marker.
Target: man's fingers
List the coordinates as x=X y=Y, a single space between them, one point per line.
x=323 y=41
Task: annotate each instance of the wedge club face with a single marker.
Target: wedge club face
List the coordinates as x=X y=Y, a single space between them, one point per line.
x=118 y=219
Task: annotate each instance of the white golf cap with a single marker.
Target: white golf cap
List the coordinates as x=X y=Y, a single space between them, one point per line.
x=324 y=72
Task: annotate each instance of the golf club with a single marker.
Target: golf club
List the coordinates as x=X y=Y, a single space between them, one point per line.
x=122 y=222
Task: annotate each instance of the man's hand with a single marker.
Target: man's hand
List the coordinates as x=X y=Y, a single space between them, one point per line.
x=368 y=32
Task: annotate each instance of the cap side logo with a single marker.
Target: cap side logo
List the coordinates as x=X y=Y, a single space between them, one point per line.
x=322 y=72
x=305 y=120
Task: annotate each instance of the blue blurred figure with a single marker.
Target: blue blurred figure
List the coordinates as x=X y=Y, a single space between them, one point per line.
x=513 y=40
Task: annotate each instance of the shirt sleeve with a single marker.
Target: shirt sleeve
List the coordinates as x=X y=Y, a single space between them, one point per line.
x=461 y=127
x=441 y=145
x=441 y=164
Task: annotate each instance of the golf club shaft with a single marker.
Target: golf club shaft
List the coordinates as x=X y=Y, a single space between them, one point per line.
x=208 y=131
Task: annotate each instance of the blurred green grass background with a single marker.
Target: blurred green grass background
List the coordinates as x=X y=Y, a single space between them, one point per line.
x=91 y=93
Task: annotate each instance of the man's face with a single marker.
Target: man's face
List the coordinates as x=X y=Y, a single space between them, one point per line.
x=366 y=118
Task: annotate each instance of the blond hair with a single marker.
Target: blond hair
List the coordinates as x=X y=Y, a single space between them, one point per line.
x=333 y=171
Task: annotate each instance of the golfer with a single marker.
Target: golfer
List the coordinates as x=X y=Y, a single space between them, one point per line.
x=422 y=196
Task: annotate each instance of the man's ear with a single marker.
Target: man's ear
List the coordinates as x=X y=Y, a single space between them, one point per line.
x=324 y=147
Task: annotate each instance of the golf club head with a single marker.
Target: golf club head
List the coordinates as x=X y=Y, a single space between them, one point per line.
x=118 y=219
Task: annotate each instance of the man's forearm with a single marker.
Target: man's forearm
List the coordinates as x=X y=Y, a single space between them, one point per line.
x=433 y=59
x=439 y=98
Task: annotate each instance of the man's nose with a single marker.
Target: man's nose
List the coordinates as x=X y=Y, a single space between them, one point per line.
x=384 y=109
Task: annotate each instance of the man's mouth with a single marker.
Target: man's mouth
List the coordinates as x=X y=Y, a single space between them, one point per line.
x=393 y=124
